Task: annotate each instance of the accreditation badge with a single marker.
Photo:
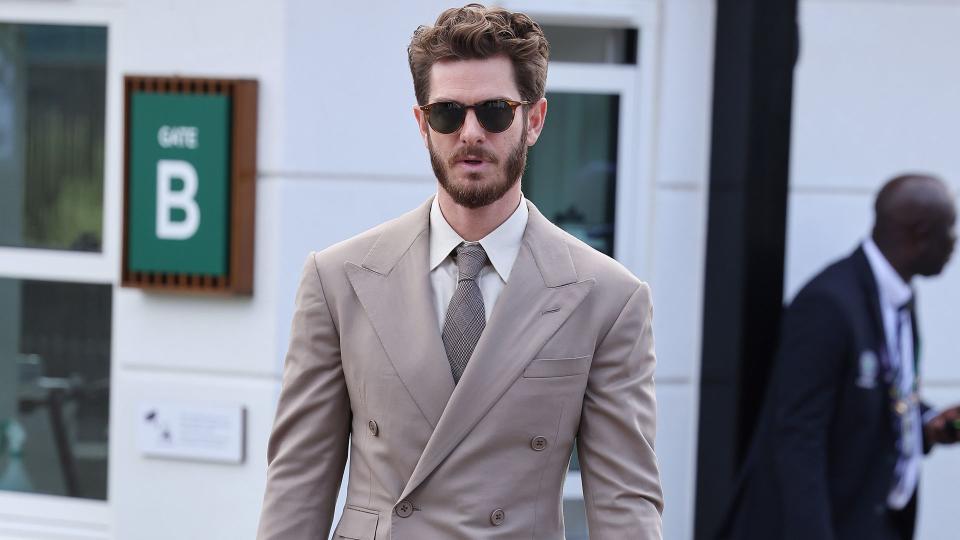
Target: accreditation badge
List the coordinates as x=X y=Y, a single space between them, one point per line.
x=869 y=368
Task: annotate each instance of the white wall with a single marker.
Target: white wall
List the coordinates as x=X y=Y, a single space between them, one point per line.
x=196 y=349
x=678 y=252
x=876 y=94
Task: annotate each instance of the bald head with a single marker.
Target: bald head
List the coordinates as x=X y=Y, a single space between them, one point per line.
x=914 y=227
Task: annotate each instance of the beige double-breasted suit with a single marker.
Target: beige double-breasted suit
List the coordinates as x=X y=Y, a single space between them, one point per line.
x=566 y=355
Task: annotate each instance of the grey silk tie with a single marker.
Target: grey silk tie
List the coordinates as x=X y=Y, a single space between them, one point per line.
x=465 y=316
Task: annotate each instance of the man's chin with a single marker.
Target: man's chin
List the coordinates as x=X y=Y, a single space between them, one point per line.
x=471 y=181
x=472 y=199
x=474 y=194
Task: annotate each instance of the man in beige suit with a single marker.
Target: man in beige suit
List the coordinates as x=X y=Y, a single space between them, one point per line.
x=460 y=349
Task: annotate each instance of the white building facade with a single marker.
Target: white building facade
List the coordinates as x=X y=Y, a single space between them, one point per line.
x=339 y=151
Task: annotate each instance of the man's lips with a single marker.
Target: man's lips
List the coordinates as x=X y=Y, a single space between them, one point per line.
x=472 y=158
x=472 y=164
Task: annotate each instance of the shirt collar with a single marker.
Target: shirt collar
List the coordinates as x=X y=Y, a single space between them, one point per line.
x=893 y=290
x=502 y=244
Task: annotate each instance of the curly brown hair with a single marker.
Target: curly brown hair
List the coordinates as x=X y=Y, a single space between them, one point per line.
x=477 y=32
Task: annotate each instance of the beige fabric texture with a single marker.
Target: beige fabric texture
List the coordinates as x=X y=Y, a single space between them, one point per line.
x=567 y=356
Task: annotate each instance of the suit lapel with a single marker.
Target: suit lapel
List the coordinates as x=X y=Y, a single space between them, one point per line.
x=393 y=285
x=872 y=294
x=539 y=296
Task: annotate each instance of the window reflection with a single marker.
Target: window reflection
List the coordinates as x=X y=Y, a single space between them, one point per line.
x=52 y=101
x=54 y=387
x=572 y=170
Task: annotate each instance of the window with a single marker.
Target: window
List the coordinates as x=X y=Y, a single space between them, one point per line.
x=592 y=44
x=572 y=170
x=52 y=103
x=54 y=387
x=55 y=335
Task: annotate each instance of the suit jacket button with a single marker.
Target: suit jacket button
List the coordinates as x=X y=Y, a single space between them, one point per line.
x=538 y=443
x=497 y=517
x=404 y=508
x=374 y=428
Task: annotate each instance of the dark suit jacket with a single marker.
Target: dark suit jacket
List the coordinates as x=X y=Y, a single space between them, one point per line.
x=822 y=459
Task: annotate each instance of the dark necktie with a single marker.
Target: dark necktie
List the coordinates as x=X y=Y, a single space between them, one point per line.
x=465 y=315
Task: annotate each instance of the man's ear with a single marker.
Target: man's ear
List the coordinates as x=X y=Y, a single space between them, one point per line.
x=421 y=118
x=536 y=116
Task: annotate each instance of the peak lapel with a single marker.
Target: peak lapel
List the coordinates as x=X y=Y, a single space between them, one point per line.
x=871 y=292
x=869 y=284
x=540 y=295
x=393 y=285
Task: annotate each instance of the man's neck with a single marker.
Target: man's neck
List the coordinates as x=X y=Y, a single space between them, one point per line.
x=472 y=224
x=893 y=256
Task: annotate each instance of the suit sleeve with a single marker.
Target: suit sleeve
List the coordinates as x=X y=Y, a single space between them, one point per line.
x=619 y=471
x=307 y=450
x=809 y=372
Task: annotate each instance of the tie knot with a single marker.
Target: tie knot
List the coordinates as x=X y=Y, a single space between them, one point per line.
x=470 y=260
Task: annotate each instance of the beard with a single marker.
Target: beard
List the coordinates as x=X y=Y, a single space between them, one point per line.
x=474 y=191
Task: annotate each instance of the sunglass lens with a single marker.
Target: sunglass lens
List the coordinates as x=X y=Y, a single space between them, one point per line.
x=495 y=116
x=446 y=117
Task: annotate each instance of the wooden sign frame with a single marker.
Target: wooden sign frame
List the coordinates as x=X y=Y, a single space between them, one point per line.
x=242 y=181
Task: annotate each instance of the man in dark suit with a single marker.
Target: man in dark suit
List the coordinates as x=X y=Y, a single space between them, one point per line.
x=838 y=447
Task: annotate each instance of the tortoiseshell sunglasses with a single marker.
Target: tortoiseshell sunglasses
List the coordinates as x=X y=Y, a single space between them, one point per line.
x=495 y=115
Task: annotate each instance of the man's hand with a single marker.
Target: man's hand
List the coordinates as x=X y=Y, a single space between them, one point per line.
x=944 y=428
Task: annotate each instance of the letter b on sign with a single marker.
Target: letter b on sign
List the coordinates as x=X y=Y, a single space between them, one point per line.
x=184 y=199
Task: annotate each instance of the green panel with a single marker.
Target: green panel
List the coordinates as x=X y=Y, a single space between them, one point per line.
x=572 y=170
x=186 y=136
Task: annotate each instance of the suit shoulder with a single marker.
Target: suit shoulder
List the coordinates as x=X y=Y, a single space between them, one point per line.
x=352 y=248
x=355 y=248
x=838 y=281
x=592 y=264
x=840 y=289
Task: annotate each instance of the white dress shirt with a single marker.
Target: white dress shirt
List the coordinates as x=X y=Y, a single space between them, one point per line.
x=894 y=292
x=502 y=246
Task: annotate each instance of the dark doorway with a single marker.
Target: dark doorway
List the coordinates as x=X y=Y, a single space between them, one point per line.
x=756 y=50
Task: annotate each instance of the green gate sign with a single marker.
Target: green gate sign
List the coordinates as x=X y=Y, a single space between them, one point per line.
x=190 y=184
x=179 y=183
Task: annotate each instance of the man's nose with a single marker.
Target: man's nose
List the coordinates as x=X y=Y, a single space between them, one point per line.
x=472 y=132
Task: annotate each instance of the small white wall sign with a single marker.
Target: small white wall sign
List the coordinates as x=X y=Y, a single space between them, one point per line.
x=192 y=431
